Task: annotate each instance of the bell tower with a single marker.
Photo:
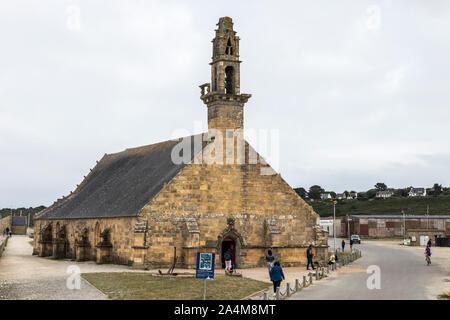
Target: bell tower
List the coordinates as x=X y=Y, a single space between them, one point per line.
x=222 y=96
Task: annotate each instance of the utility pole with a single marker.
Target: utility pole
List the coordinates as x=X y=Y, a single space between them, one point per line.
x=404 y=226
x=348 y=226
x=428 y=216
x=334 y=223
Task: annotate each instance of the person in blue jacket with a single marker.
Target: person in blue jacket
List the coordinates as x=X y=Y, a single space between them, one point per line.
x=276 y=275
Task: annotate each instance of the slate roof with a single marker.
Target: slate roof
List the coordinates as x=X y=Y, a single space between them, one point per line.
x=120 y=185
x=18 y=221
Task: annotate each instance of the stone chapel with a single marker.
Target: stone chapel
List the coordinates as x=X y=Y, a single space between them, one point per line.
x=208 y=192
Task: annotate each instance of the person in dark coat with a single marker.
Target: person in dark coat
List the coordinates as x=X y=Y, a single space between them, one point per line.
x=309 y=256
x=351 y=245
x=269 y=259
x=228 y=257
x=276 y=275
x=343 y=245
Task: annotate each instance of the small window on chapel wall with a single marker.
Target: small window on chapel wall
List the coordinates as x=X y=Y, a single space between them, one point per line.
x=229 y=49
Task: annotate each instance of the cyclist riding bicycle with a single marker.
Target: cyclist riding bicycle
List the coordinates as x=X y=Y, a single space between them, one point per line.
x=428 y=254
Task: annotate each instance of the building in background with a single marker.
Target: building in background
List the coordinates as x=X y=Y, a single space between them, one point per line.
x=393 y=226
x=16 y=224
x=19 y=225
x=417 y=192
x=325 y=196
x=384 y=194
x=327 y=225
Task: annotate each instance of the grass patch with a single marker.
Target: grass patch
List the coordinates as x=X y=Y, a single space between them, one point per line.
x=412 y=205
x=144 y=286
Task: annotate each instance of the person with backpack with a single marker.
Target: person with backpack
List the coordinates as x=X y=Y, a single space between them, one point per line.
x=309 y=256
x=228 y=257
x=428 y=254
x=269 y=259
x=276 y=276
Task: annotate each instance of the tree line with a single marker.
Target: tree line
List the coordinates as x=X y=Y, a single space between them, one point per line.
x=315 y=192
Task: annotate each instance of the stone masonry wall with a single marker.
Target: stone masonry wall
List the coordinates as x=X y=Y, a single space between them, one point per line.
x=121 y=236
x=192 y=212
x=4 y=223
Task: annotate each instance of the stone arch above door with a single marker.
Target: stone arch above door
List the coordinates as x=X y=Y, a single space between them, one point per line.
x=232 y=233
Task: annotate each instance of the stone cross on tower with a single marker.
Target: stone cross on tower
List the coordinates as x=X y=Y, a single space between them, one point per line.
x=222 y=96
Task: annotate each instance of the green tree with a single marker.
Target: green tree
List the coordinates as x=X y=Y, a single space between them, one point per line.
x=315 y=191
x=437 y=189
x=371 y=193
x=301 y=192
x=380 y=186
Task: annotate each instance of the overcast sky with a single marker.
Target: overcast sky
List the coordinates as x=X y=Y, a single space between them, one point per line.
x=358 y=90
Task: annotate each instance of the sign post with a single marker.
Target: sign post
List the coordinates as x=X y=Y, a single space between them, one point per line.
x=205 y=268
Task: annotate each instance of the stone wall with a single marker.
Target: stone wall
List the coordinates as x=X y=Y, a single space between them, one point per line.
x=204 y=204
x=4 y=223
x=121 y=239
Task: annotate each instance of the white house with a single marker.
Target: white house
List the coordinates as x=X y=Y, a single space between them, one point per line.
x=352 y=195
x=384 y=194
x=417 y=192
x=325 y=196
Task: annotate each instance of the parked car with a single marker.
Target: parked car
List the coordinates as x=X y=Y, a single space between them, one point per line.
x=356 y=239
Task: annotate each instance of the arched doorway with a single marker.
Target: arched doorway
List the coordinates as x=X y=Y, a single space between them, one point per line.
x=229 y=243
x=46 y=241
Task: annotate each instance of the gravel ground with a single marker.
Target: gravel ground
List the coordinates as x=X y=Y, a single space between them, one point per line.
x=24 y=276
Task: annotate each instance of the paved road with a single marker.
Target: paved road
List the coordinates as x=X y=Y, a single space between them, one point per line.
x=404 y=275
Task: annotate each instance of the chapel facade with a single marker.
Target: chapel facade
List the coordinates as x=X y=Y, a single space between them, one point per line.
x=209 y=192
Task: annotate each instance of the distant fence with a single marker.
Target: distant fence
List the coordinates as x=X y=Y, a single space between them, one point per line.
x=319 y=274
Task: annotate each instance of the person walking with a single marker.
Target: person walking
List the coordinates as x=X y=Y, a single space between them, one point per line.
x=309 y=256
x=351 y=245
x=428 y=254
x=7 y=231
x=343 y=245
x=269 y=260
x=429 y=242
x=228 y=257
x=276 y=276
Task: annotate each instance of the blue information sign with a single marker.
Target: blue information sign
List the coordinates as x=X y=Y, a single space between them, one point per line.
x=205 y=265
